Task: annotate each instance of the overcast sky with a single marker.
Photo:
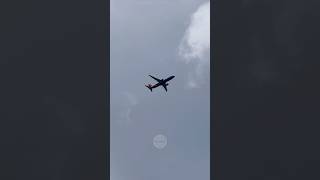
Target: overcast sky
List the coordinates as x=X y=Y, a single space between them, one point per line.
x=161 y=38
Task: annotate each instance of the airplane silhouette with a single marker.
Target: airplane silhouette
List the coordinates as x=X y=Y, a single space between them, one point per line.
x=161 y=82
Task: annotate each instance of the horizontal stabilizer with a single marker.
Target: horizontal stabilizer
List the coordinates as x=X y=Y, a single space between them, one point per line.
x=149 y=86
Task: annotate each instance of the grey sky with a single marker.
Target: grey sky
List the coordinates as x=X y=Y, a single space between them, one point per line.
x=157 y=37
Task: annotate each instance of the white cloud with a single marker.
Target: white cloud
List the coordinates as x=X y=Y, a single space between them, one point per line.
x=192 y=84
x=126 y=115
x=130 y=100
x=195 y=45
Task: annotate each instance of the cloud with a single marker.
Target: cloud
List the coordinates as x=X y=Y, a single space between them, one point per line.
x=195 y=44
x=130 y=100
x=196 y=40
x=192 y=84
x=126 y=115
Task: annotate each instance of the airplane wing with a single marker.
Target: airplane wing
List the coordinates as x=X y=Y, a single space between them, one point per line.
x=169 y=78
x=165 y=87
x=155 y=78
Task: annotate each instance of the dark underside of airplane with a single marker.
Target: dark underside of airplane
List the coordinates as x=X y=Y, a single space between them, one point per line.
x=161 y=82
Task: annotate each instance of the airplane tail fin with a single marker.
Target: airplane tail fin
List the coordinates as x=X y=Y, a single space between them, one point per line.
x=149 y=86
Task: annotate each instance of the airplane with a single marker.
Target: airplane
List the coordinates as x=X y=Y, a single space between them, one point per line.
x=161 y=82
